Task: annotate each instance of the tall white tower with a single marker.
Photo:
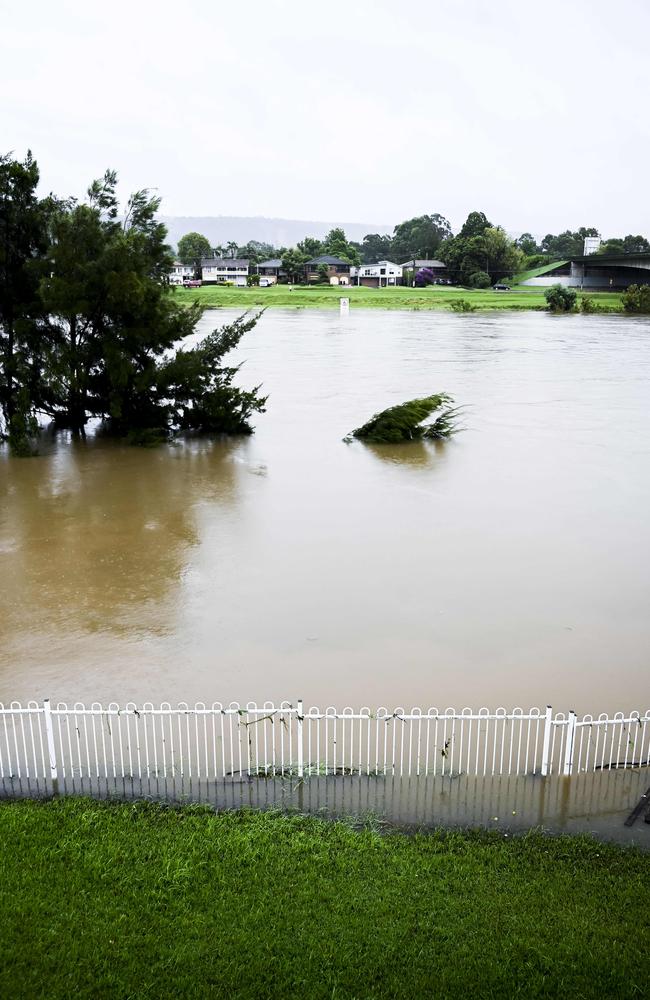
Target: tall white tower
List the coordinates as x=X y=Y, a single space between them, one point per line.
x=592 y=244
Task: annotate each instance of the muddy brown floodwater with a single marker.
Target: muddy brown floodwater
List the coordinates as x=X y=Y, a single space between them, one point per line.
x=509 y=566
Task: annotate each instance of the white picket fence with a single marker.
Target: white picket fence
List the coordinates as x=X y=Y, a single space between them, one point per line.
x=235 y=742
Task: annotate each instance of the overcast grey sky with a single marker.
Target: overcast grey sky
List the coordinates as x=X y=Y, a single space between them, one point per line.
x=367 y=110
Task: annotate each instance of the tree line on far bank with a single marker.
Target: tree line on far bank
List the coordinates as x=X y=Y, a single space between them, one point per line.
x=88 y=322
x=478 y=255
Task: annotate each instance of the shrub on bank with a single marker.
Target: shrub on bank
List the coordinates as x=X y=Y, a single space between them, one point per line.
x=462 y=306
x=637 y=299
x=589 y=305
x=480 y=279
x=561 y=299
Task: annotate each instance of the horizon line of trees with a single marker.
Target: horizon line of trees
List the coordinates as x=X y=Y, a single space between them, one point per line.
x=89 y=326
x=490 y=257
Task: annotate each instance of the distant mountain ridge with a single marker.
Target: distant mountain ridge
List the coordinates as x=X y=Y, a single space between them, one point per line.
x=221 y=229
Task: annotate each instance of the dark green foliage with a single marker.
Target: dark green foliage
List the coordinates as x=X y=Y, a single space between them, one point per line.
x=418 y=237
x=310 y=247
x=475 y=225
x=589 y=305
x=479 y=279
x=568 y=244
x=528 y=245
x=252 y=280
x=480 y=247
x=561 y=299
x=111 y=313
x=323 y=274
x=637 y=299
x=534 y=260
x=89 y=324
x=293 y=264
x=462 y=306
x=200 y=390
x=23 y=240
x=122 y=900
x=337 y=244
x=192 y=247
x=254 y=251
x=376 y=247
x=404 y=422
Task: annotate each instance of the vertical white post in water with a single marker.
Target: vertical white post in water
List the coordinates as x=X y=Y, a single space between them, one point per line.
x=345 y=306
x=299 y=719
x=570 y=740
x=49 y=733
x=546 y=748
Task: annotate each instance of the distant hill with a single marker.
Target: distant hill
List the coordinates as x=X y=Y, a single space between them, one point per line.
x=221 y=229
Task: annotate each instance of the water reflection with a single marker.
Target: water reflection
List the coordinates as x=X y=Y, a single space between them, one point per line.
x=417 y=454
x=96 y=536
x=595 y=803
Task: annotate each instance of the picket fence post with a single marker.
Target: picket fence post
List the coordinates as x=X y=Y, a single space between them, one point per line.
x=569 y=744
x=51 y=752
x=299 y=721
x=546 y=748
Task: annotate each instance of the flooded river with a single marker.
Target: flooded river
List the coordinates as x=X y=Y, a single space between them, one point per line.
x=509 y=566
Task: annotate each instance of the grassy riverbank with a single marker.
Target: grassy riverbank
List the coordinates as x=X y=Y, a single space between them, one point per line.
x=106 y=900
x=325 y=296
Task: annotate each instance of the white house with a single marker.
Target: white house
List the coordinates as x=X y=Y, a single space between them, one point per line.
x=221 y=270
x=180 y=273
x=378 y=275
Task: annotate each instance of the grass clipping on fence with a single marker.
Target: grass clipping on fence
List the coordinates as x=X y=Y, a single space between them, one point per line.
x=405 y=422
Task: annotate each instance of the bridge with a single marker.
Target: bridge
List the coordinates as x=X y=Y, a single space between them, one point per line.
x=601 y=272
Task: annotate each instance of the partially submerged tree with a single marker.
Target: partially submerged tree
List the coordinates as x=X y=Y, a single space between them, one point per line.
x=405 y=422
x=89 y=326
x=194 y=391
x=23 y=241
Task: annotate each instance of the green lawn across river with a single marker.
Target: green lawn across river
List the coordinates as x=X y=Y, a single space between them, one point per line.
x=401 y=297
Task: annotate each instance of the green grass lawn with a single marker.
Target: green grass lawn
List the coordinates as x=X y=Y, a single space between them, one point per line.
x=108 y=900
x=326 y=296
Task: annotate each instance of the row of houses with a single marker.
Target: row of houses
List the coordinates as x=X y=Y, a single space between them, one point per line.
x=234 y=271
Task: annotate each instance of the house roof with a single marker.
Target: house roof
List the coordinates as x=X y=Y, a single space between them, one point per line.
x=424 y=263
x=224 y=262
x=381 y=263
x=328 y=259
x=274 y=262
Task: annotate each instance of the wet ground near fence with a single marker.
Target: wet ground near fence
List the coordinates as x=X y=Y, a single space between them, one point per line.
x=595 y=803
